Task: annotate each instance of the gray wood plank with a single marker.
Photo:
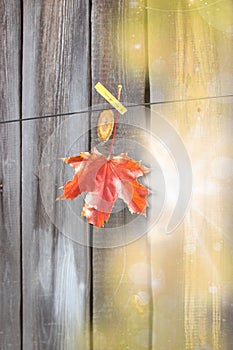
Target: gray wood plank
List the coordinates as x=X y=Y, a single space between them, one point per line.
x=118 y=57
x=55 y=266
x=10 y=291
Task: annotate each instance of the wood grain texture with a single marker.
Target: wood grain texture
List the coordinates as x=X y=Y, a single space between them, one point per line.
x=189 y=53
x=55 y=268
x=10 y=291
x=119 y=57
x=173 y=292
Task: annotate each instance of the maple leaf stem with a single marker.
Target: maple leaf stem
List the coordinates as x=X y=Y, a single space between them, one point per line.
x=119 y=88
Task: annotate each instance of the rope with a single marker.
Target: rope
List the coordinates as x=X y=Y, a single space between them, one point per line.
x=90 y=110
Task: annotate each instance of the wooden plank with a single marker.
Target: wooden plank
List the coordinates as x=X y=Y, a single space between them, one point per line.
x=190 y=50
x=55 y=265
x=119 y=57
x=10 y=291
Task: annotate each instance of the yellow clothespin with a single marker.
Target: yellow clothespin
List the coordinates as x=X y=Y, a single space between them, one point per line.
x=110 y=98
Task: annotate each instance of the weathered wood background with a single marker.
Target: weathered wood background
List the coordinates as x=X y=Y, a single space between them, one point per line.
x=159 y=292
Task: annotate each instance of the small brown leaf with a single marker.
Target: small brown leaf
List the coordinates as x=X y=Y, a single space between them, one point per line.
x=105 y=125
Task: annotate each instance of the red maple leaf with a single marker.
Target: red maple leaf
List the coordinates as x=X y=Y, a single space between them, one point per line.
x=106 y=180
